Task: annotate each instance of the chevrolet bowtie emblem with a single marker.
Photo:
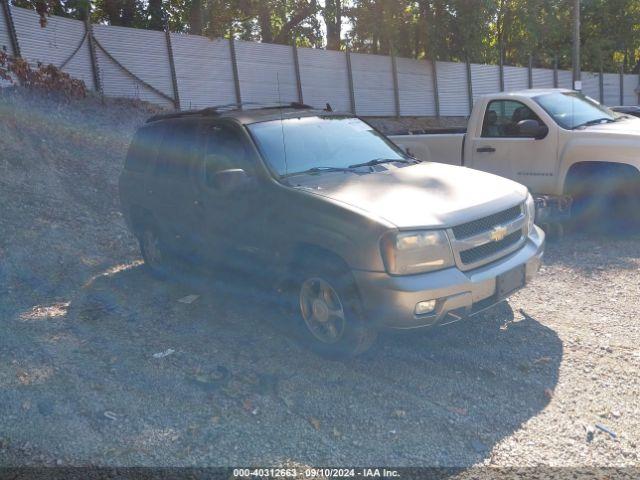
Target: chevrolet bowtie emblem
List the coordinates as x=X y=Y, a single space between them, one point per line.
x=498 y=233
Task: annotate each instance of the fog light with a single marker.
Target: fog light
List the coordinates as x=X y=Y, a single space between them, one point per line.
x=425 y=307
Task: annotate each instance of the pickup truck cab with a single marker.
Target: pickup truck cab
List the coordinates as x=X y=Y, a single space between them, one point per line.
x=557 y=142
x=358 y=236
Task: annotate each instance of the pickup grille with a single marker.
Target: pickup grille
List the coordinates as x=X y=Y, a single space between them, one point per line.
x=477 y=254
x=485 y=224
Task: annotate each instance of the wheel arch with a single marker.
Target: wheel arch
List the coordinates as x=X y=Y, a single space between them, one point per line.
x=304 y=252
x=582 y=170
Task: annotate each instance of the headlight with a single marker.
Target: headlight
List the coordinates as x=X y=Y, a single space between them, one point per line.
x=406 y=253
x=530 y=211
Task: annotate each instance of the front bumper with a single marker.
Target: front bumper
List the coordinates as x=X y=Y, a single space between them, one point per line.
x=390 y=301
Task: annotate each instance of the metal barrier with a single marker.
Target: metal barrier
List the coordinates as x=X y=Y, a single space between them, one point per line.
x=189 y=71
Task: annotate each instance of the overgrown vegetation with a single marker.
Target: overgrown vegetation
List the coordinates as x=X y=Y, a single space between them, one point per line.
x=48 y=79
x=441 y=29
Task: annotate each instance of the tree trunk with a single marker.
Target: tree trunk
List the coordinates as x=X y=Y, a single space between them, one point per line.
x=264 y=19
x=332 y=14
x=128 y=13
x=156 y=17
x=195 y=17
x=112 y=10
x=284 y=35
x=423 y=29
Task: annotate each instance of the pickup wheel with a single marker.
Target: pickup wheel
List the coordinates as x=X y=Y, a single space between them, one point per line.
x=606 y=199
x=329 y=312
x=154 y=252
x=626 y=206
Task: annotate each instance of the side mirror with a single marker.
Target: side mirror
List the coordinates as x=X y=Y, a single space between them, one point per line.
x=229 y=180
x=532 y=129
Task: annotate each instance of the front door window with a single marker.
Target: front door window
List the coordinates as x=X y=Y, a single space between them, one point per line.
x=502 y=117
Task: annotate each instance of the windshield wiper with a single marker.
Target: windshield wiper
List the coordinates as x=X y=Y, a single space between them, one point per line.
x=370 y=163
x=595 y=121
x=378 y=161
x=317 y=170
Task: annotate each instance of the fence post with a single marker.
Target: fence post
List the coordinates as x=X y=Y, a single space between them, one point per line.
x=396 y=89
x=601 y=84
x=234 y=68
x=13 y=36
x=352 y=96
x=296 y=66
x=530 y=71
x=621 y=85
x=95 y=69
x=555 y=71
x=172 y=66
x=436 y=95
x=469 y=85
x=501 y=70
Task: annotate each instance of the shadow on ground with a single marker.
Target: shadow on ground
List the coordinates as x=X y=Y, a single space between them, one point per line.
x=232 y=388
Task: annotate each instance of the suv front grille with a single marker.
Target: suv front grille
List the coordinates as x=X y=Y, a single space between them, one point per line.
x=477 y=254
x=485 y=224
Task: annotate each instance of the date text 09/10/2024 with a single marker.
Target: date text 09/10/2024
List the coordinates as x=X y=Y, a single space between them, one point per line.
x=315 y=472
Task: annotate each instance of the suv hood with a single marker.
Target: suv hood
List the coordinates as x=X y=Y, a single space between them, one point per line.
x=422 y=195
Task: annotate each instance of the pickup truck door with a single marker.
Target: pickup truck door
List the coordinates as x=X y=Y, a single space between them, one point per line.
x=499 y=148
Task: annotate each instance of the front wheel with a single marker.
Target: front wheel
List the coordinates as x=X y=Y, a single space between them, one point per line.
x=154 y=252
x=329 y=313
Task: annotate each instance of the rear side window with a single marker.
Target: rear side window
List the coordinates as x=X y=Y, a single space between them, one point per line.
x=143 y=149
x=176 y=154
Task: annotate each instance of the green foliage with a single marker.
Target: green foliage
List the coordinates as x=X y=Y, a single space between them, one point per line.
x=455 y=30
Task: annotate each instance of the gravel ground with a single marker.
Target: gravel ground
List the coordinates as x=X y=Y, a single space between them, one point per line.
x=83 y=324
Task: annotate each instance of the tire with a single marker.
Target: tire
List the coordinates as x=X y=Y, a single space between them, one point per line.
x=590 y=205
x=606 y=201
x=154 y=252
x=626 y=206
x=553 y=230
x=319 y=290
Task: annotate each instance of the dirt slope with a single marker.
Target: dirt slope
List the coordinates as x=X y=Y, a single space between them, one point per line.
x=59 y=165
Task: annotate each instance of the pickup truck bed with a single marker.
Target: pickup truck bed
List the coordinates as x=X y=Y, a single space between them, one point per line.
x=437 y=147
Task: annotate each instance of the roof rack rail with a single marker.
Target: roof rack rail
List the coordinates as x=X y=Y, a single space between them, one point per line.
x=218 y=109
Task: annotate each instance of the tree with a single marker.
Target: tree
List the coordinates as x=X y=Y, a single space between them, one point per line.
x=155 y=15
x=332 y=15
x=195 y=17
x=124 y=13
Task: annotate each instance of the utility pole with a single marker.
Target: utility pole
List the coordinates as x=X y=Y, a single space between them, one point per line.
x=575 y=56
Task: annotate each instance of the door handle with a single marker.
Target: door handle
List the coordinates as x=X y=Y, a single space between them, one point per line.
x=485 y=150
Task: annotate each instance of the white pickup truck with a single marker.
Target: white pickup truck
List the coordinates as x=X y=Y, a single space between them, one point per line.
x=565 y=147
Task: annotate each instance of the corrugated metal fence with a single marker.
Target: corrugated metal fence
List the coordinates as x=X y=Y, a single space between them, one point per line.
x=190 y=71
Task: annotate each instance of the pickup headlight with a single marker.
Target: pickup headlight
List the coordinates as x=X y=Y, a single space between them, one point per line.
x=406 y=253
x=530 y=212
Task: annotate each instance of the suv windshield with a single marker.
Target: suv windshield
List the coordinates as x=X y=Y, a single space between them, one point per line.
x=572 y=109
x=296 y=145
